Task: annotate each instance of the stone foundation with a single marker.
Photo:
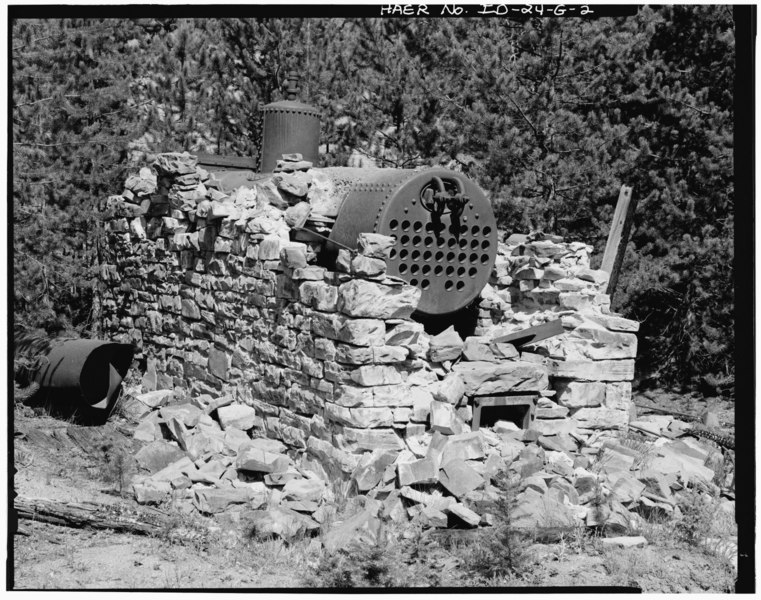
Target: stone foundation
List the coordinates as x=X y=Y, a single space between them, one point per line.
x=234 y=314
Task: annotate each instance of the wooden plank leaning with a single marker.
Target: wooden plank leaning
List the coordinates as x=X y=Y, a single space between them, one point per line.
x=618 y=237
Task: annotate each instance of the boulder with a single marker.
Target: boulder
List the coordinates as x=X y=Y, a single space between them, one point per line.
x=563 y=492
x=362 y=298
x=151 y=492
x=296 y=184
x=374 y=245
x=534 y=510
x=619 y=519
x=559 y=462
x=358 y=532
x=280 y=522
x=188 y=414
x=304 y=489
x=578 y=394
x=393 y=508
x=550 y=410
x=319 y=295
x=352 y=439
x=216 y=500
x=369 y=471
x=148 y=430
x=586 y=486
x=505 y=427
x=293 y=255
x=296 y=215
x=464 y=446
x=372 y=375
x=176 y=469
x=432 y=517
x=459 y=478
x=233 y=438
x=464 y=514
x=156 y=398
x=268 y=445
x=417 y=472
x=254 y=459
x=445 y=419
x=451 y=389
x=596 y=276
x=157 y=455
x=536 y=483
x=236 y=416
x=627 y=488
x=365 y=266
x=482 y=348
x=447 y=345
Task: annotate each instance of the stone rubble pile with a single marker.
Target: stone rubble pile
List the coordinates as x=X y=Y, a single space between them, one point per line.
x=272 y=375
x=201 y=456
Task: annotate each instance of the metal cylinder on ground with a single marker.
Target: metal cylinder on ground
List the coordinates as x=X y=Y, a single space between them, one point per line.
x=88 y=371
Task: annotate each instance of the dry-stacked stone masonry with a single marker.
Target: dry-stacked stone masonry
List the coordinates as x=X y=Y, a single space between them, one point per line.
x=229 y=311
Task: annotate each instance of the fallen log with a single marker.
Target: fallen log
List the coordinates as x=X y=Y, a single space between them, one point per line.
x=116 y=517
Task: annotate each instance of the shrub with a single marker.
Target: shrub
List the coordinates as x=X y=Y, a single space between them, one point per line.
x=367 y=567
x=698 y=514
x=502 y=550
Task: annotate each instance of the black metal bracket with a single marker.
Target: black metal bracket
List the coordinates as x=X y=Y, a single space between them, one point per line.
x=437 y=200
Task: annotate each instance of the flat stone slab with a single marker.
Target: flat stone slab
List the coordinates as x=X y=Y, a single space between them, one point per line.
x=459 y=478
x=214 y=500
x=236 y=416
x=157 y=455
x=483 y=378
x=593 y=370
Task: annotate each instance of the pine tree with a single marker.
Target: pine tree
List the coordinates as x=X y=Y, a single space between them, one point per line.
x=73 y=116
x=549 y=116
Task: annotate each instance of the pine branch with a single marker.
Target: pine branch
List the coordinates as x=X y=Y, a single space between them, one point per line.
x=56 y=144
x=45 y=100
x=63 y=33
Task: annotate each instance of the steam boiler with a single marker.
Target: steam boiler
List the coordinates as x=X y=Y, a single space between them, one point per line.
x=443 y=225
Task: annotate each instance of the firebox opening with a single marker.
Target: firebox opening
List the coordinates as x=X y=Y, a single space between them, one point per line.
x=488 y=410
x=515 y=414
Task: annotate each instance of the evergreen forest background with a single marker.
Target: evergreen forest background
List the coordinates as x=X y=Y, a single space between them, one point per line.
x=549 y=116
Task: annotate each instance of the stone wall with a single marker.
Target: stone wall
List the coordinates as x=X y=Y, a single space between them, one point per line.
x=539 y=278
x=234 y=315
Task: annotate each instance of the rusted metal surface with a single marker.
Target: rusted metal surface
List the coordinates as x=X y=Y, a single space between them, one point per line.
x=90 y=370
x=289 y=127
x=444 y=226
x=219 y=162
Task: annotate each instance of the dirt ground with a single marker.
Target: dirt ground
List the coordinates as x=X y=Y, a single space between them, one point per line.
x=60 y=461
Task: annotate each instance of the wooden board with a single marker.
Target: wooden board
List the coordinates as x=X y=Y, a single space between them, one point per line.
x=618 y=237
x=533 y=334
x=226 y=162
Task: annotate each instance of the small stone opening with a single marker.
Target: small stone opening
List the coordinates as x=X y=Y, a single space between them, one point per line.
x=488 y=410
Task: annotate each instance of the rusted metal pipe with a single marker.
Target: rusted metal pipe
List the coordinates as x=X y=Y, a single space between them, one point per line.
x=89 y=370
